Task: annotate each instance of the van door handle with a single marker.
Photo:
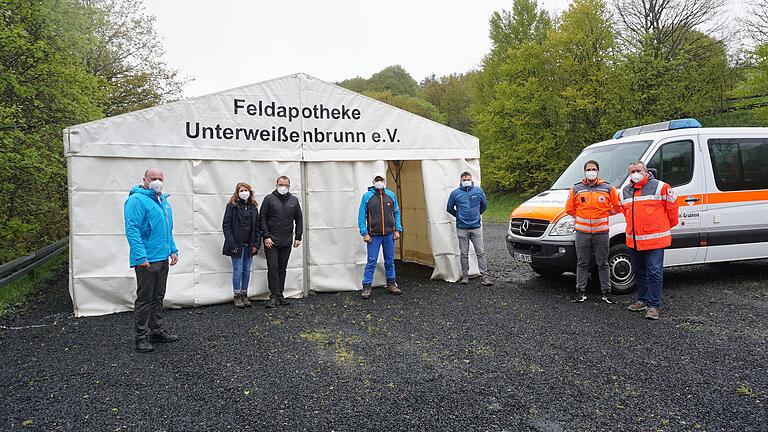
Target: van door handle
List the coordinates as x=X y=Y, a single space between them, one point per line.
x=688 y=200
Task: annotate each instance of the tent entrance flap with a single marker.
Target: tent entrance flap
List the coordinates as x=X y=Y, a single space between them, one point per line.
x=406 y=180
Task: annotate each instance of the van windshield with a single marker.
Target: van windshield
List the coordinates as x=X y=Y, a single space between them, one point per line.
x=613 y=160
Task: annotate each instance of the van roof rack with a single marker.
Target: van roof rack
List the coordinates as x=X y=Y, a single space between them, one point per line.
x=656 y=127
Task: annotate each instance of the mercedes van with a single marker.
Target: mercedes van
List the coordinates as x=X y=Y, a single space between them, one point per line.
x=720 y=177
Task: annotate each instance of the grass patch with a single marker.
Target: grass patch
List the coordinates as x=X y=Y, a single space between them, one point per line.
x=15 y=295
x=500 y=205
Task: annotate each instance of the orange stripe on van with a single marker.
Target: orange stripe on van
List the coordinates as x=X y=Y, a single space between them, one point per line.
x=534 y=212
x=740 y=196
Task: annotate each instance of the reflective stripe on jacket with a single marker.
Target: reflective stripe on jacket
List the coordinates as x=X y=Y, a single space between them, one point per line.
x=591 y=205
x=650 y=208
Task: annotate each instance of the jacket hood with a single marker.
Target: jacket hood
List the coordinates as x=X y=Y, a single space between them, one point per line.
x=277 y=194
x=139 y=189
x=597 y=181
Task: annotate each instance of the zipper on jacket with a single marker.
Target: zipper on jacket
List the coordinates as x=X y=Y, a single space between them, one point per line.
x=634 y=234
x=381 y=201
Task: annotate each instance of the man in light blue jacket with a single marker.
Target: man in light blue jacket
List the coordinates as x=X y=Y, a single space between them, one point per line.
x=466 y=203
x=149 y=229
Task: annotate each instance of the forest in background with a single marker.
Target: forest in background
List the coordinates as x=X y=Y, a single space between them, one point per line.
x=550 y=85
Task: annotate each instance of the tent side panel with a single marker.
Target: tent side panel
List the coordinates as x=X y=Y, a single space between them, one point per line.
x=337 y=254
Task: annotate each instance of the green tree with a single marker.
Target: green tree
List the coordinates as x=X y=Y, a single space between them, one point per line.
x=409 y=103
x=43 y=89
x=452 y=95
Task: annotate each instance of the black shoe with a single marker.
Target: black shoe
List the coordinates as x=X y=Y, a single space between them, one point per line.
x=273 y=302
x=143 y=346
x=580 y=298
x=283 y=302
x=606 y=299
x=162 y=337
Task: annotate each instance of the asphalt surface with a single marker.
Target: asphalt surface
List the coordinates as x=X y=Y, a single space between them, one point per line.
x=515 y=356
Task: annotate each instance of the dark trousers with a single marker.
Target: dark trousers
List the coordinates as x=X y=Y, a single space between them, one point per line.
x=277 y=263
x=150 y=291
x=586 y=245
x=648 y=266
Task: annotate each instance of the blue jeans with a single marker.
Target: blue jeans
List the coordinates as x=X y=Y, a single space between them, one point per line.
x=648 y=266
x=388 y=243
x=241 y=270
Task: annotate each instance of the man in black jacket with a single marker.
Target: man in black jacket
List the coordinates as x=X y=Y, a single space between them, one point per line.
x=280 y=213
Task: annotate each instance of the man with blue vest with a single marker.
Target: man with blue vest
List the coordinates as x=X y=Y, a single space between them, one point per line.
x=466 y=203
x=379 y=222
x=149 y=229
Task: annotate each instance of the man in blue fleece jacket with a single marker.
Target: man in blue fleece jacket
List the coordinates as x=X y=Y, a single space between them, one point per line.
x=466 y=203
x=149 y=230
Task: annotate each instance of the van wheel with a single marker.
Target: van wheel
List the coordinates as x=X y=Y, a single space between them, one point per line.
x=620 y=266
x=546 y=272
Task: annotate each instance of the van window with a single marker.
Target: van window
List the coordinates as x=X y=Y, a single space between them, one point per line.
x=739 y=163
x=673 y=163
x=613 y=159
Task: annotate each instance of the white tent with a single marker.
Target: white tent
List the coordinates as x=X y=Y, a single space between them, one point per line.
x=327 y=139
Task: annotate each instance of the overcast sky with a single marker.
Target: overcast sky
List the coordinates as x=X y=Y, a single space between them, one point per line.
x=227 y=43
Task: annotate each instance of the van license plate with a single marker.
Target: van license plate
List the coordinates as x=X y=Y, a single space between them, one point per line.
x=522 y=257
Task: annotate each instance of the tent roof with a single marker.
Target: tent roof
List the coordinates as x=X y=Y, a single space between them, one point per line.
x=292 y=118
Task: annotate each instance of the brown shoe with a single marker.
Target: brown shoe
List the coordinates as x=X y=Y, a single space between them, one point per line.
x=392 y=288
x=366 y=292
x=239 y=302
x=637 y=307
x=486 y=280
x=246 y=301
x=652 y=313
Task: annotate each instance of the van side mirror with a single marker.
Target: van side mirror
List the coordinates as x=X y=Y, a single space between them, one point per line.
x=654 y=172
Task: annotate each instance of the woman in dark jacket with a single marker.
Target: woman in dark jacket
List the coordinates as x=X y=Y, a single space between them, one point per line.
x=242 y=239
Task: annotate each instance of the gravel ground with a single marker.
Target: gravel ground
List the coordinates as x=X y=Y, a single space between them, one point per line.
x=515 y=356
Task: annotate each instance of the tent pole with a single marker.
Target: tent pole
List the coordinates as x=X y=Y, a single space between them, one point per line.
x=396 y=175
x=305 y=234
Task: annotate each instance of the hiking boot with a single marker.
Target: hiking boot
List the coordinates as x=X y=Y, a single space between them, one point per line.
x=246 y=301
x=272 y=303
x=283 y=302
x=143 y=346
x=162 y=337
x=580 y=298
x=637 y=307
x=392 y=288
x=366 y=292
x=239 y=302
x=606 y=299
x=652 y=313
x=486 y=280
x=465 y=279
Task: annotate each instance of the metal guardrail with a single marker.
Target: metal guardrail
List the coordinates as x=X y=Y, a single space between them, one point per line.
x=19 y=267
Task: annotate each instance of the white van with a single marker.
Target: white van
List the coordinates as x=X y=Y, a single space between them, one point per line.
x=720 y=176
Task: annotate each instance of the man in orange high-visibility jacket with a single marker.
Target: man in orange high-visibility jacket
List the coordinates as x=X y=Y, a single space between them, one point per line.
x=590 y=202
x=650 y=208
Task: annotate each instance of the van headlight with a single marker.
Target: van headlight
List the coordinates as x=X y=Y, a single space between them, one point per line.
x=563 y=226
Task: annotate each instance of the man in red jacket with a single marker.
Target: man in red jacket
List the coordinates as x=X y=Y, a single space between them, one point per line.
x=650 y=208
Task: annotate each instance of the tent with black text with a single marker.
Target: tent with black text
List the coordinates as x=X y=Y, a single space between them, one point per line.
x=327 y=139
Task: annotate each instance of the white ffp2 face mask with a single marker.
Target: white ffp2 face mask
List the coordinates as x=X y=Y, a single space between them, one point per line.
x=379 y=185
x=636 y=177
x=466 y=183
x=244 y=195
x=590 y=175
x=156 y=185
x=282 y=190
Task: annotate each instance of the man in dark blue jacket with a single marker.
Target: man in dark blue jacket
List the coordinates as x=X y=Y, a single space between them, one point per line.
x=149 y=230
x=378 y=219
x=466 y=203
